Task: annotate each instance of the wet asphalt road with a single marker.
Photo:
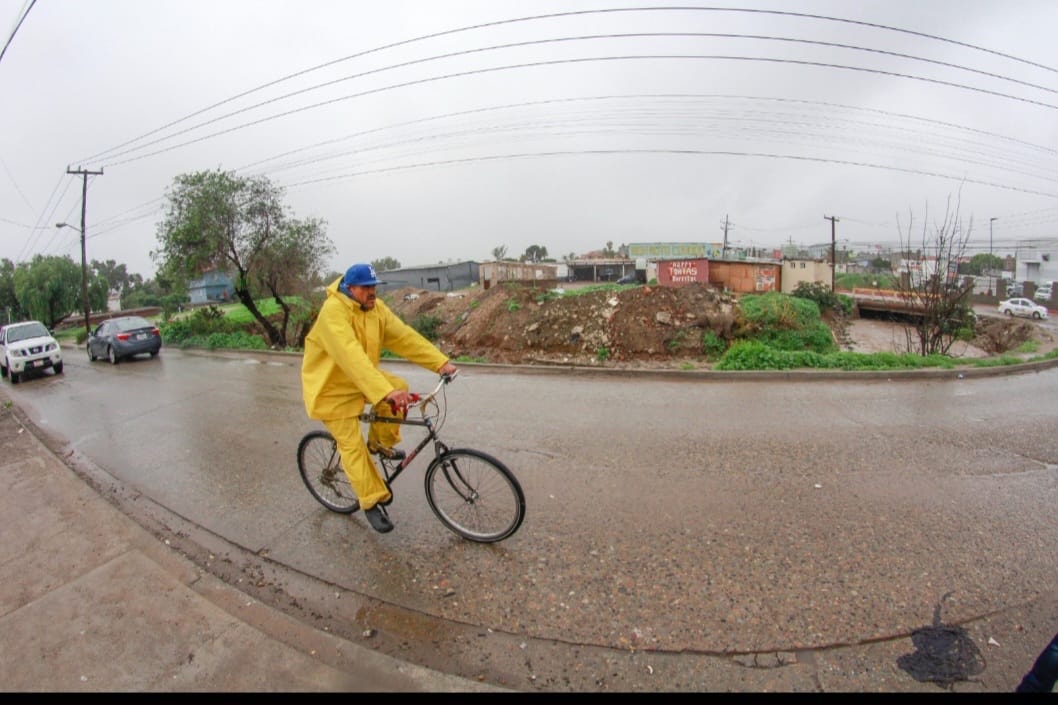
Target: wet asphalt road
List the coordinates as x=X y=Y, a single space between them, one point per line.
x=677 y=532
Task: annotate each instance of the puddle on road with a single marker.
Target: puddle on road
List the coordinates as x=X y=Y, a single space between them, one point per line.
x=943 y=654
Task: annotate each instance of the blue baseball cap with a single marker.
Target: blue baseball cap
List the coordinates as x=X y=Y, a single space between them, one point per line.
x=361 y=275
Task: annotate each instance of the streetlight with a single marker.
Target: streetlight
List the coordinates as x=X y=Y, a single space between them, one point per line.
x=990 y=221
x=84 y=276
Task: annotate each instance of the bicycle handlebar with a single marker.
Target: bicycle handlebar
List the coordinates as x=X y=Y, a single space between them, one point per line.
x=421 y=400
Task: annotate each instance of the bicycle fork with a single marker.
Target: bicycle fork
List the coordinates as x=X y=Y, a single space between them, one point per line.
x=459 y=483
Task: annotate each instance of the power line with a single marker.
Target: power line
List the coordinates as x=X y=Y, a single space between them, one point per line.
x=555 y=15
x=951 y=153
x=15 y=30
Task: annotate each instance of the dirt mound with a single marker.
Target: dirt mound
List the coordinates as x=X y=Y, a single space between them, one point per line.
x=523 y=325
x=642 y=326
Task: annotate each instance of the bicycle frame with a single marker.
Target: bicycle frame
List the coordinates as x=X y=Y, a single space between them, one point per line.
x=391 y=472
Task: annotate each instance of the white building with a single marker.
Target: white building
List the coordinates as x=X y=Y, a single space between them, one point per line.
x=1036 y=261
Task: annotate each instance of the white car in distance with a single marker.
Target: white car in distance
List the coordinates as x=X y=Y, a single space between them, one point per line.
x=1022 y=307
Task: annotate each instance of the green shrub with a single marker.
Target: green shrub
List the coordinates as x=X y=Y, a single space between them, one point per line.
x=202 y=323
x=822 y=294
x=752 y=355
x=787 y=322
x=427 y=325
x=602 y=354
x=755 y=355
x=713 y=345
x=239 y=340
x=513 y=305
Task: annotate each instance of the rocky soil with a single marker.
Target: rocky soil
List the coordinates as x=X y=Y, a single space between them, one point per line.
x=638 y=327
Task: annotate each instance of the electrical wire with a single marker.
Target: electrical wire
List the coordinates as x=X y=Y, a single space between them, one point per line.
x=655 y=128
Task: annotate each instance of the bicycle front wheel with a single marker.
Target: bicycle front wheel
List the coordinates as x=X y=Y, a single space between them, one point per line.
x=474 y=495
x=320 y=465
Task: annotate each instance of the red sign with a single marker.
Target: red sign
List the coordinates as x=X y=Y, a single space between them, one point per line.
x=683 y=271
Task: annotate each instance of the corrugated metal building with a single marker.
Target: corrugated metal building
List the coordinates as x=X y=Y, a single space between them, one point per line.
x=437 y=277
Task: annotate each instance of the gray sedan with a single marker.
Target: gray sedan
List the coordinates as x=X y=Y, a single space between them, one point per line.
x=125 y=336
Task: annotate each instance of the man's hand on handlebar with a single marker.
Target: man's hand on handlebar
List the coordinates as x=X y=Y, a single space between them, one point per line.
x=400 y=401
x=448 y=370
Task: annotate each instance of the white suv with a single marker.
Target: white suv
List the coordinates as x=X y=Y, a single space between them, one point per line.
x=27 y=346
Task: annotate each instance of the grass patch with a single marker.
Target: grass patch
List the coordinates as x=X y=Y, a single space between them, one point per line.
x=469 y=358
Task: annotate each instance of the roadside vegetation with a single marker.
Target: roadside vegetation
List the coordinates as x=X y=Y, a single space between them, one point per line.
x=779 y=332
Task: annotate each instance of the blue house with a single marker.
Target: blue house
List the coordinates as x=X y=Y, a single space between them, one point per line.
x=215 y=287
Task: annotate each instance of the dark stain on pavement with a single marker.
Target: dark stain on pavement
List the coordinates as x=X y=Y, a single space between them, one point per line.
x=943 y=654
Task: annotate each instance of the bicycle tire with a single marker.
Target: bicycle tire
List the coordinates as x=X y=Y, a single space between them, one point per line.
x=320 y=466
x=474 y=495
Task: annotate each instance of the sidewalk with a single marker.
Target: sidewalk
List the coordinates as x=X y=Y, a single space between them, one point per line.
x=92 y=602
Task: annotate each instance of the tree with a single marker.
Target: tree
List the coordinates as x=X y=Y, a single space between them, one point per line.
x=48 y=288
x=218 y=220
x=982 y=263
x=9 y=305
x=385 y=264
x=499 y=253
x=609 y=251
x=534 y=253
x=116 y=275
x=929 y=283
x=98 y=292
x=290 y=265
x=160 y=291
x=880 y=264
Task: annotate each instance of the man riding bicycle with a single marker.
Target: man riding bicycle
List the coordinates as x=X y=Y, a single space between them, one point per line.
x=340 y=375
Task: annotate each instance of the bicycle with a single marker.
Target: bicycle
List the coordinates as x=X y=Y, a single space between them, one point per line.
x=472 y=493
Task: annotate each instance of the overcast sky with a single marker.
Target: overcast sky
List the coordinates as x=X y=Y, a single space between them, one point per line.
x=430 y=131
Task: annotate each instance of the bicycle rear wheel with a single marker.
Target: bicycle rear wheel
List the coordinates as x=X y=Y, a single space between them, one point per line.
x=474 y=495
x=320 y=465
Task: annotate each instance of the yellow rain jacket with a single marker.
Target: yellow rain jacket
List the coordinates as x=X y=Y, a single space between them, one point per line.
x=339 y=370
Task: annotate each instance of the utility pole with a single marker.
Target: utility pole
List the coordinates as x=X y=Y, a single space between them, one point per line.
x=990 y=267
x=723 y=254
x=84 y=173
x=833 y=243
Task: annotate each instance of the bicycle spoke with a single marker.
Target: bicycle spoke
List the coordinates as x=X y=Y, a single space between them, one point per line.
x=475 y=496
x=320 y=465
